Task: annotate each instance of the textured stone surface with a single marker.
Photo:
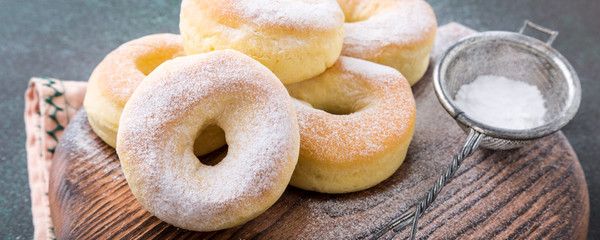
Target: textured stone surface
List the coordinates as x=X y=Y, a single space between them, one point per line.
x=66 y=39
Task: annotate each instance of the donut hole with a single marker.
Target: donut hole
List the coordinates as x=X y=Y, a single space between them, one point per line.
x=334 y=98
x=210 y=146
x=148 y=62
x=215 y=157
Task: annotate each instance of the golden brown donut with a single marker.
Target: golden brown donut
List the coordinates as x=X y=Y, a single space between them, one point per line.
x=118 y=75
x=167 y=112
x=296 y=39
x=396 y=33
x=356 y=121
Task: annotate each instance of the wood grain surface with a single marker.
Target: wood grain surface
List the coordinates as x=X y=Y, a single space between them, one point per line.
x=535 y=192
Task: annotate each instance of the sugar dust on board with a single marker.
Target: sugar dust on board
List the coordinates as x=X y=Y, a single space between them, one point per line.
x=502 y=102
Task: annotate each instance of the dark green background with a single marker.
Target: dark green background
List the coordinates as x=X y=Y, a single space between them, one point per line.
x=66 y=39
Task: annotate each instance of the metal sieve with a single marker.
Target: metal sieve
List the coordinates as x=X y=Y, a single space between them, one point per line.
x=511 y=55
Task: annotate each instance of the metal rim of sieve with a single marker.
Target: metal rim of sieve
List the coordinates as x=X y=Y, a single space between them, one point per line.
x=532 y=45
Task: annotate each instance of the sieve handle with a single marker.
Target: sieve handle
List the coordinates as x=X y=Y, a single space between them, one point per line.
x=537 y=27
x=397 y=224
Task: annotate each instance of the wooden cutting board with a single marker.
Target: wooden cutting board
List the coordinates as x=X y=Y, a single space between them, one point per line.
x=535 y=192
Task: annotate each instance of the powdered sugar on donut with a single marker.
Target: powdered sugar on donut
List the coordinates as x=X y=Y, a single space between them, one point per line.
x=304 y=14
x=399 y=24
x=161 y=120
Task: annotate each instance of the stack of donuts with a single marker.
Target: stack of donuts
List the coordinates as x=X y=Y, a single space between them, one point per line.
x=315 y=94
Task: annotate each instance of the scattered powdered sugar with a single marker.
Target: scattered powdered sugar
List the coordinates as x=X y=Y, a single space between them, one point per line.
x=71 y=138
x=305 y=14
x=502 y=102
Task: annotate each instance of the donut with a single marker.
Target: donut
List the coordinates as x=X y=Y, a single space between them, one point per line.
x=297 y=40
x=118 y=75
x=168 y=111
x=396 y=33
x=356 y=121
